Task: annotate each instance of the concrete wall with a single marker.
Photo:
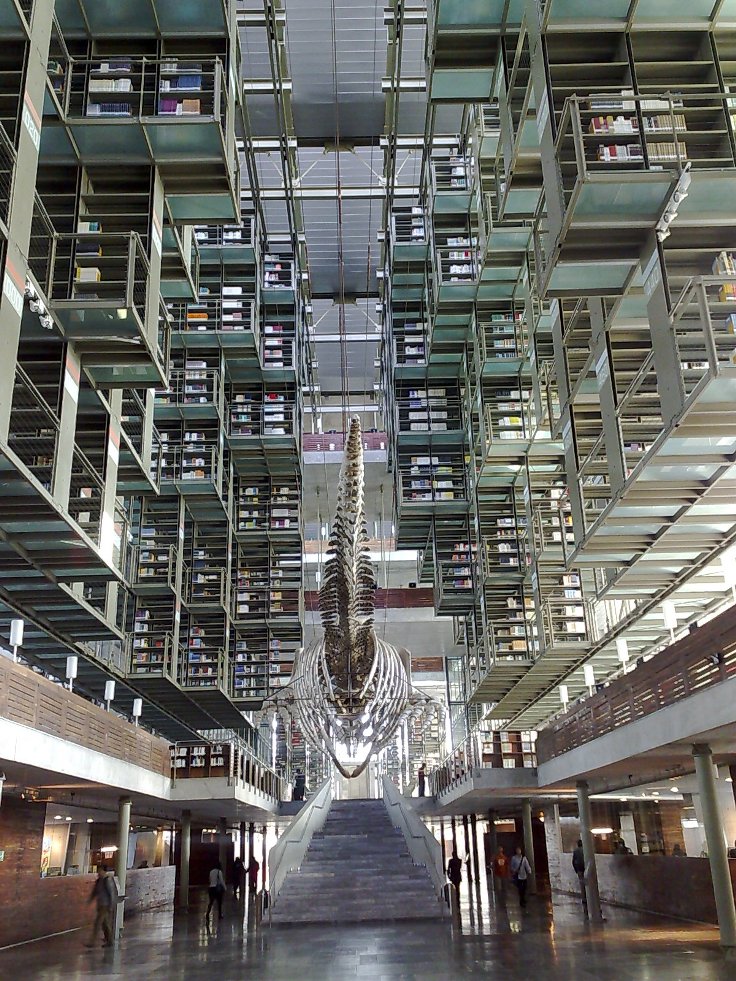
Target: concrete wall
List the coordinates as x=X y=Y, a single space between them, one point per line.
x=677 y=887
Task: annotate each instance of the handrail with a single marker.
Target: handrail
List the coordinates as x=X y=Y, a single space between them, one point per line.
x=289 y=851
x=699 y=660
x=423 y=846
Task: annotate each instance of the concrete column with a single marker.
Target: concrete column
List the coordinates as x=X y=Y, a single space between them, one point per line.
x=526 y=816
x=184 y=853
x=466 y=835
x=443 y=844
x=453 y=828
x=264 y=860
x=121 y=862
x=222 y=843
x=591 y=872
x=242 y=841
x=474 y=839
x=492 y=836
x=717 y=853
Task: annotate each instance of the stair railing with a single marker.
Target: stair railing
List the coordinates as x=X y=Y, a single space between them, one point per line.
x=423 y=846
x=289 y=851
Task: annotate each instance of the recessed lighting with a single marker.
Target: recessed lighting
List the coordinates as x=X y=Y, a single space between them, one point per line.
x=57 y=817
x=67 y=818
x=655 y=793
x=90 y=820
x=623 y=799
x=674 y=790
x=601 y=831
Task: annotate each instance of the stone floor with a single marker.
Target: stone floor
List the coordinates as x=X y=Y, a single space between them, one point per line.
x=545 y=943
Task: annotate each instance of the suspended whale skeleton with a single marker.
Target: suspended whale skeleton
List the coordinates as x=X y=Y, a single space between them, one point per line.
x=350 y=691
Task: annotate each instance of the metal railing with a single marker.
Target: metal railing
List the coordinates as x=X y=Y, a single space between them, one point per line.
x=152 y=653
x=193 y=462
x=34 y=428
x=251 y=419
x=226 y=236
x=428 y=414
x=212 y=670
x=211 y=314
x=470 y=755
x=108 y=268
x=456 y=265
x=7 y=172
x=193 y=387
x=704 y=321
x=335 y=442
x=153 y=565
x=41 y=246
x=119 y=87
x=289 y=851
x=423 y=847
x=695 y=663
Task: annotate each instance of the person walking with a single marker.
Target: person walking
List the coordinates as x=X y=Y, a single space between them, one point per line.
x=103 y=895
x=422 y=779
x=238 y=877
x=216 y=890
x=520 y=872
x=253 y=869
x=299 y=786
x=501 y=872
x=578 y=864
x=455 y=875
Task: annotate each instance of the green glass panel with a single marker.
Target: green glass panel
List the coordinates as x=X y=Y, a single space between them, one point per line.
x=199 y=208
x=107 y=17
x=470 y=13
x=673 y=11
x=123 y=140
x=628 y=199
x=461 y=85
x=589 y=278
x=585 y=12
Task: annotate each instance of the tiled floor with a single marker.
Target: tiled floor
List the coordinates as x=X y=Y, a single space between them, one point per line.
x=544 y=944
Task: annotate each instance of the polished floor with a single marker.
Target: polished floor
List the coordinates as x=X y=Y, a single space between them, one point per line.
x=497 y=940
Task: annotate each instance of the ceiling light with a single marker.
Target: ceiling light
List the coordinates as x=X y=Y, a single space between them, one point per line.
x=90 y=820
x=674 y=790
x=601 y=831
x=67 y=818
x=57 y=817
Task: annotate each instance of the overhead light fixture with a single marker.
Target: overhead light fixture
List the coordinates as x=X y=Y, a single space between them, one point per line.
x=57 y=817
x=601 y=831
x=90 y=820
x=674 y=790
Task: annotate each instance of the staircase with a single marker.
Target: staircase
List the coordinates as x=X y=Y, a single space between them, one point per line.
x=357 y=870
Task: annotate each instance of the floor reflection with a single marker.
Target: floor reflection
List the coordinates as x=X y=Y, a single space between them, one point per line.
x=487 y=936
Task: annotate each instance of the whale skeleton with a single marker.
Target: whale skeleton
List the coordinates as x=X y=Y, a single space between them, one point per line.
x=349 y=691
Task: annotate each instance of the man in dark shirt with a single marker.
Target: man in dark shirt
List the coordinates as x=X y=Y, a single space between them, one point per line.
x=102 y=895
x=578 y=864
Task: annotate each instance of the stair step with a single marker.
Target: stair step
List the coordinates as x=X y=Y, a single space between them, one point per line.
x=357 y=869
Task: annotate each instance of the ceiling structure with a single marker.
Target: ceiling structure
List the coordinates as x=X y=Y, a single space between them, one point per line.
x=328 y=79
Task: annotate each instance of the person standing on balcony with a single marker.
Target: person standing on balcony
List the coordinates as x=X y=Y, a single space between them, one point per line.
x=520 y=872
